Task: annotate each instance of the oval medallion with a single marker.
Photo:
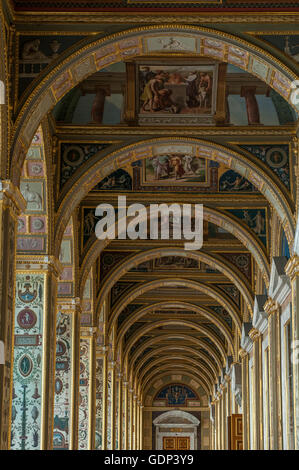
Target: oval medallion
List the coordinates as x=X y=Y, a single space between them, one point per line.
x=58 y=386
x=60 y=348
x=25 y=366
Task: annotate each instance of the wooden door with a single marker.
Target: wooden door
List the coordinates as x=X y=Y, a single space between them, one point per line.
x=176 y=443
x=235 y=432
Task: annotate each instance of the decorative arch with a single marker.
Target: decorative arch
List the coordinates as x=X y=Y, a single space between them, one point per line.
x=51 y=87
x=190 y=339
x=253 y=172
x=183 y=349
x=160 y=419
x=171 y=361
x=162 y=379
x=123 y=267
x=213 y=292
x=192 y=371
x=227 y=222
x=147 y=328
x=138 y=314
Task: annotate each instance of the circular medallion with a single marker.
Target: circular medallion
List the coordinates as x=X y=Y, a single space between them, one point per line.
x=276 y=157
x=38 y=224
x=36 y=169
x=73 y=156
x=26 y=318
x=242 y=261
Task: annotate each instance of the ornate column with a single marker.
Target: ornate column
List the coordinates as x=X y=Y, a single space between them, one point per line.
x=126 y=413
x=120 y=411
x=99 y=398
x=87 y=389
x=212 y=426
x=252 y=107
x=257 y=412
x=12 y=204
x=92 y=392
x=131 y=419
x=111 y=404
x=141 y=427
x=105 y=398
x=34 y=354
x=292 y=270
x=260 y=326
x=272 y=308
x=66 y=404
x=135 y=422
x=246 y=346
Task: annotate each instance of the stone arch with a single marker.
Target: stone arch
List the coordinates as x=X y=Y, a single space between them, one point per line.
x=189 y=339
x=176 y=413
x=225 y=221
x=50 y=88
x=133 y=261
x=138 y=314
x=168 y=368
x=141 y=150
x=165 y=361
x=150 y=390
x=183 y=349
x=144 y=330
x=213 y=292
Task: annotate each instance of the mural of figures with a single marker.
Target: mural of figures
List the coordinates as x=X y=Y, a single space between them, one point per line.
x=174 y=262
x=36 y=52
x=289 y=44
x=119 y=180
x=176 y=89
x=256 y=219
x=27 y=373
x=176 y=394
x=231 y=181
x=175 y=168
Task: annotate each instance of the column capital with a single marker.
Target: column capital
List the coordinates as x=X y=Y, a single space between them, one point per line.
x=271 y=306
x=243 y=353
x=254 y=334
x=12 y=196
x=292 y=267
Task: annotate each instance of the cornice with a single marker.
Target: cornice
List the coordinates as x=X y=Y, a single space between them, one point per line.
x=292 y=267
x=250 y=131
x=129 y=17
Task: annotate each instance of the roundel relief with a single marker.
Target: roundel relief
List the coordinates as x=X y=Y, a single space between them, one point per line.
x=25 y=366
x=26 y=318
